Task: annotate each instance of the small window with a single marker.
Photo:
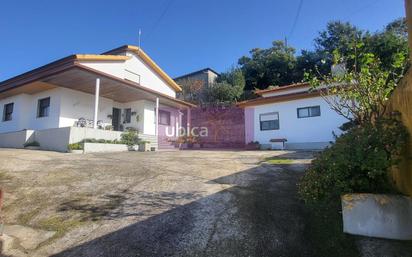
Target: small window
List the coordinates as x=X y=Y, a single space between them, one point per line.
x=8 y=112
x=269 y=121
x=306 y=112
x=127 y=115
x=164 y=118
x=43 y=107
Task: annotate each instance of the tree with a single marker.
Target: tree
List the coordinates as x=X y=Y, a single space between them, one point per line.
x=192 y=90
x=278 y=65
x=271 y=66
x=360 y=93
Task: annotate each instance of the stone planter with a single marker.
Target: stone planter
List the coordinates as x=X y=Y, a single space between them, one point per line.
x=76 y=151
x=144 y=147
x=377 y=215
x=32 y=147
x=133 y=147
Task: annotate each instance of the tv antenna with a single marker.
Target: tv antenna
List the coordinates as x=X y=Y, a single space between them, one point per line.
x=139 y=38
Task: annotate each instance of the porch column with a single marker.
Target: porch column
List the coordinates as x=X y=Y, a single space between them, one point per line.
x=96 y=102
x=178 y=119
x=157 y=117
x=189 y=115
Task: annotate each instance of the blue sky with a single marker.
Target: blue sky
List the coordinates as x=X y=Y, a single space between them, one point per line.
x=180 y=35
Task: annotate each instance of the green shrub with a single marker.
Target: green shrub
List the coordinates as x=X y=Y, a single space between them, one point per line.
x=130 y=138
x=34 y=143
x=75 y=146
x=358 y=161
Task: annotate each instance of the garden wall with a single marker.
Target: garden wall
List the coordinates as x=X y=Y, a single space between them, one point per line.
x=401 y=100
x=225 y=125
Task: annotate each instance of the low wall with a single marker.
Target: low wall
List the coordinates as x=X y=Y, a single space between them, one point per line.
x=401 y=101
x=16 y=139
x=55 y=139
x=99 y=148
x=375 y=215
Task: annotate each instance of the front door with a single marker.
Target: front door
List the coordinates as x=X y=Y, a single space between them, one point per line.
x=116 y=119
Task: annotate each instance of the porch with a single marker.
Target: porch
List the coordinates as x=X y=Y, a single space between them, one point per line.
x=101 y=106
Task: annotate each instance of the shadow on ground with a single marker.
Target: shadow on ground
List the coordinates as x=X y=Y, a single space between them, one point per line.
x=259 y=215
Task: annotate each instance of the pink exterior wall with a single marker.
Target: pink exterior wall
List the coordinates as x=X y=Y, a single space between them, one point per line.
x=249 y=124
x=169 y=132
x=225 y=125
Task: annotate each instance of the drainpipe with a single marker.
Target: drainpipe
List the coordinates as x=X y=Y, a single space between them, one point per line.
x=157 y=120
x=189 y=115
x=96 y=102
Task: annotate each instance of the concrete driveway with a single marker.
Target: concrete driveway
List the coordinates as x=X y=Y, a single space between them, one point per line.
x=181 y=203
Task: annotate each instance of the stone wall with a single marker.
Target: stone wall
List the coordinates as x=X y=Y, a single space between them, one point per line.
x=225 y=126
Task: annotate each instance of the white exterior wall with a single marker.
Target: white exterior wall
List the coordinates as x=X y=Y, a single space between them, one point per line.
x=76 y=104
x=67 y=106
x=25 y=111
x=146 y=76
x=149 y=118
x=311 y=132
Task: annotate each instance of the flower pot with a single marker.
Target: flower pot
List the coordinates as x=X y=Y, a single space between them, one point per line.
x=144 y=147
x=377 y=215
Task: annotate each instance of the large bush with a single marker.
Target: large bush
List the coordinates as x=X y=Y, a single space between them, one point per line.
x=130 y=137
x=358 y=162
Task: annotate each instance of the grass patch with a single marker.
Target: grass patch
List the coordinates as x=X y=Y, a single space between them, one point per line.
x=277 y=160
x=25 y=218
x=325 y=234
x=59 y=224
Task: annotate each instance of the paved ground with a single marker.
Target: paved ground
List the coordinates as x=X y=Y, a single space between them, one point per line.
x=185 y=203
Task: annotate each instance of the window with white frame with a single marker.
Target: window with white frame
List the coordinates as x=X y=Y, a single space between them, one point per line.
x=306 y=112
x=8 y=112
x=269 y=121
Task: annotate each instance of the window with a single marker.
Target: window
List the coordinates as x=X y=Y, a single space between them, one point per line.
x=43 y=107
x=127 y=115
x=306 y=112
x=164 y=117
x=269 y=121
x=8 y=112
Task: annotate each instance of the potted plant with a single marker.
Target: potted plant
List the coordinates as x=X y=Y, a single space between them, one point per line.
x=131 y=139
x=75 y=148
x=144 y=146
x=182 y=142
x=253 y=145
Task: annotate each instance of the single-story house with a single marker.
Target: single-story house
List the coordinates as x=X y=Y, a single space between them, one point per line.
x=290 y=117
x=91 y=96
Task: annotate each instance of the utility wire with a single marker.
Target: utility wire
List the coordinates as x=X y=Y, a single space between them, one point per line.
x=162 y=15
x=295 y=21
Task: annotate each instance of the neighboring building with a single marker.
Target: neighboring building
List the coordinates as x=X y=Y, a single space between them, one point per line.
x=294 y=114
x=90 y=96
x=206 y=76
